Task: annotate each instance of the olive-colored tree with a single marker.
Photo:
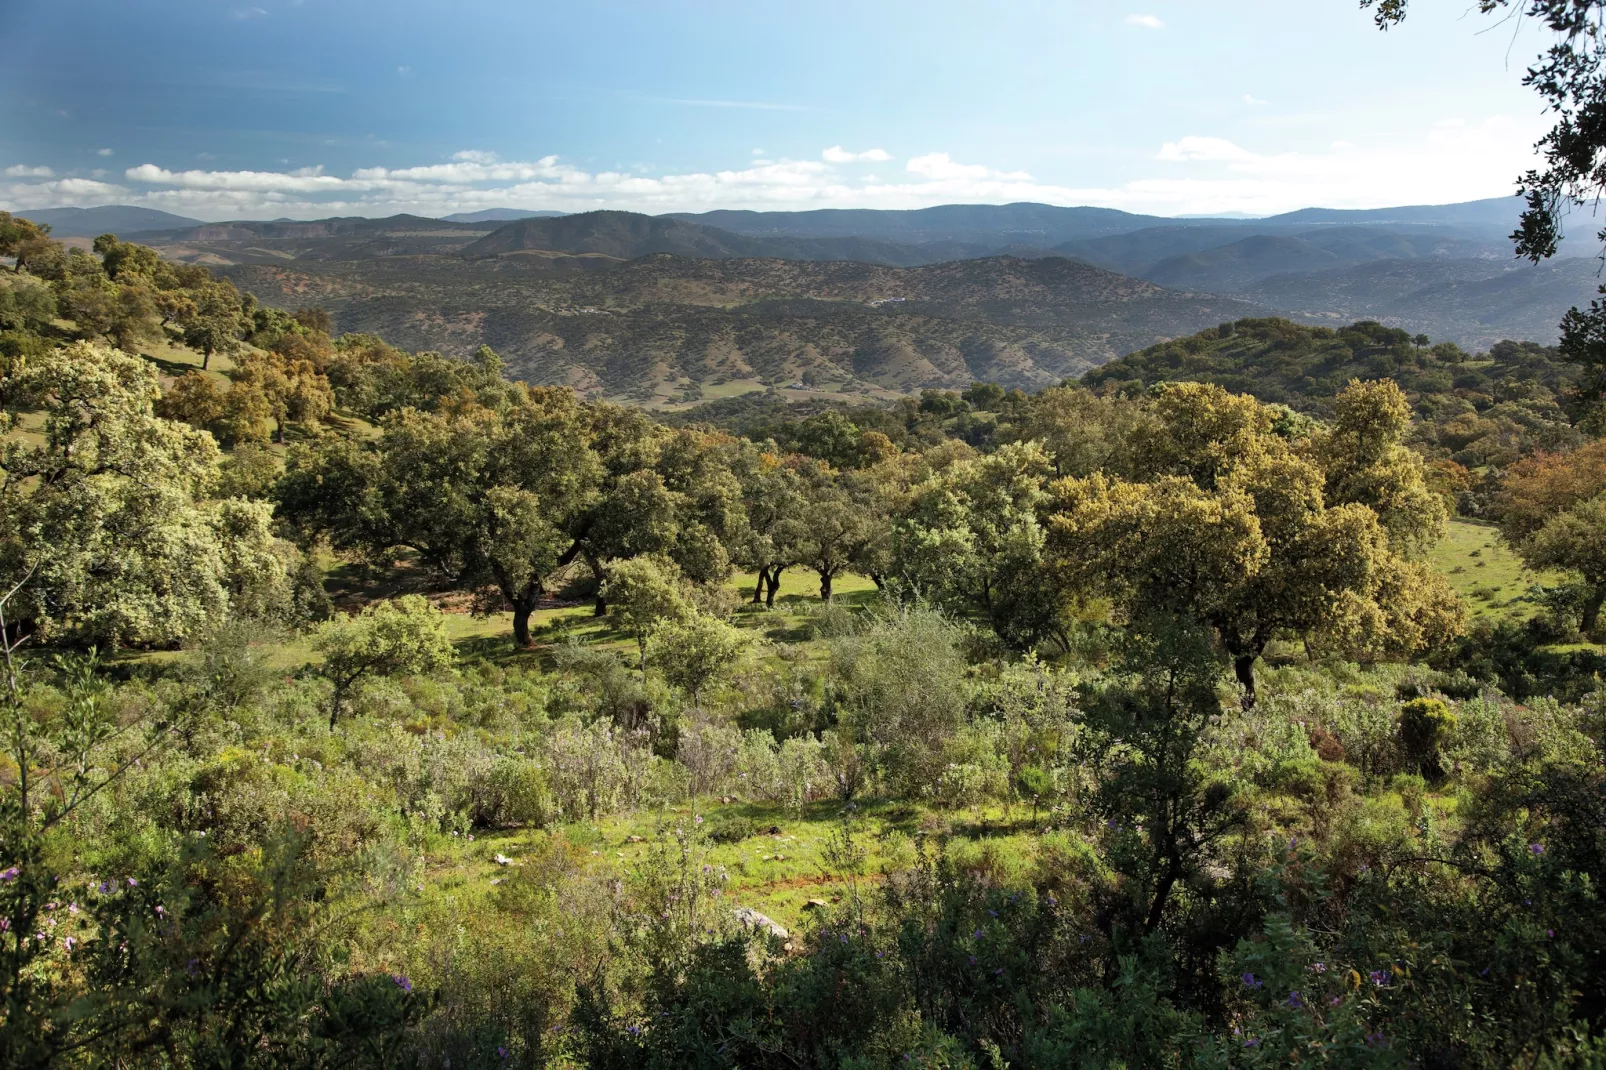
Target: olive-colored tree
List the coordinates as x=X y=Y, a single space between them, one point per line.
x=404 y=636
x=1232 y=527
x=105 y=513
x=484 y=496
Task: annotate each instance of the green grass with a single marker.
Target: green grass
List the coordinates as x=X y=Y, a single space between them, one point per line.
x=778 y=872
x=1490 y=579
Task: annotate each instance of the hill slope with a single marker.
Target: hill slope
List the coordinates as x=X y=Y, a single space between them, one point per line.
x=1293 y=364
x=665 y=326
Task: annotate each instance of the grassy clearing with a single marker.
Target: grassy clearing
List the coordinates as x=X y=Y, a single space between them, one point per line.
x=1490 y=579
x=784 y=863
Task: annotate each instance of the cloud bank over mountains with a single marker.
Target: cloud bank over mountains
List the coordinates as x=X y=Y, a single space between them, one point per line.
x=1194 y=174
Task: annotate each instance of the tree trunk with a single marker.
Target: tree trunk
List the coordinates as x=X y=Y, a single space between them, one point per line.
x=758 y=587
x=1162 y=893
x=521 y=626
x=1592 y=606
x=879 y=581
x=600 y=608
x=825 y=586
x=206 y=358
x=1243 y=667
x=775 y=585
x=335 y=703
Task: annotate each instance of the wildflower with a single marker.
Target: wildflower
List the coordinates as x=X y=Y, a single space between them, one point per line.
x=633 y=1030
x=105 y=888
x=132 y=883
x=1335 y=1001
x=69 y=943
x=1537 y=848
x=1551 y=933
x=192 y=967
x=72 y=908
x=1251 y=981
x=699 y=819
x=1252 y=1042
x=402 y=982
x=1319 y=967
x=501 y=1052
x=161 y=911
x=5 y=925
x=1375 y=1039
x=9 y=874
x=1294 y=1000
x=1380 y=977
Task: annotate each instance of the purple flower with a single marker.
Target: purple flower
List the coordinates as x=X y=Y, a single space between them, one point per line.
x=501 y=1052
x=69 y=943
x=1551 y=933
x=633 y=1030
x=1251 y=981
x=9 y=874
x=1380 y=977
x=1319 y=967
x=161 y=911
x=1375 y=1039
x=1294 y=1001
x=979 y=934
x=1537 y=848
x=401 y=982
x=192 y=967
x=105 y=887
x=132 y=883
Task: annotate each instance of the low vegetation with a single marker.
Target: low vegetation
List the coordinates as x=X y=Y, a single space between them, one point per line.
x=368 y=707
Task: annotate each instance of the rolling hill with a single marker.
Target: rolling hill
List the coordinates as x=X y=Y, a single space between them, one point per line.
x=663 y=326
x=493 y=215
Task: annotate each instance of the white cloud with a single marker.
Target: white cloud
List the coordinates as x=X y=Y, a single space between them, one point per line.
x=1196 y=174
x=837 y=154
x=1254 y=101
x=1201 y=148
x=1148 y=22
x=103 y=152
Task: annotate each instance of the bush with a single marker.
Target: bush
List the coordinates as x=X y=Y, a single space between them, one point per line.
x=729 y=828
x=1426 y=725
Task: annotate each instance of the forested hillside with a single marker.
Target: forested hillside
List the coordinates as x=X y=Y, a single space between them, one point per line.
x=368 y=707
x=679 y=328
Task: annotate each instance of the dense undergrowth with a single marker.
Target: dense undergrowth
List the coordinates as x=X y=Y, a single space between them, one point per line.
x=1127 y=728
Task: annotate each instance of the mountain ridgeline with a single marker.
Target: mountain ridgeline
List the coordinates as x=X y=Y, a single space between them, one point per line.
x=845 y=303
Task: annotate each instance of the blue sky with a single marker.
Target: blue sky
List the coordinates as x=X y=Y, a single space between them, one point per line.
x=304 y=108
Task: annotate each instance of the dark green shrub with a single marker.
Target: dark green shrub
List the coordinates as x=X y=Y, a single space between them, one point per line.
x=1425 y=726
x=730 y=828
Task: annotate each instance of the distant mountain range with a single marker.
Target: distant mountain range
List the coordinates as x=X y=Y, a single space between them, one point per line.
x=490 y=215
x=525 y=285
x=111 y=218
